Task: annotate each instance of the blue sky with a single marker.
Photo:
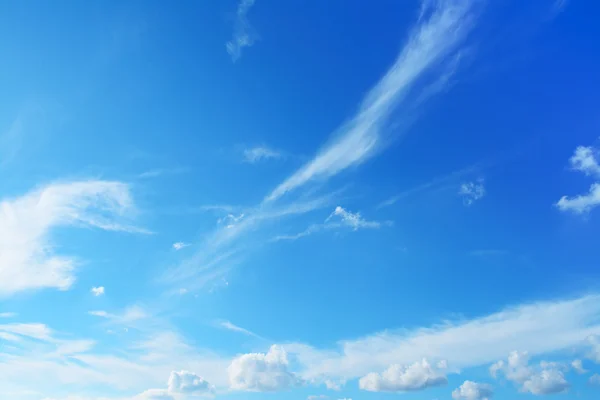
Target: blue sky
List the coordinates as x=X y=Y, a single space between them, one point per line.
x=299 y=200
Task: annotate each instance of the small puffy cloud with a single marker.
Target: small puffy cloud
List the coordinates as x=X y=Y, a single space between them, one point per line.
x=398 y=378
x=334 y=385
x=184 y=382
x=471 y=192
x=317 y=397
x=581 y=204
x=180 y=245
x=473 y=391
x=546 y=378
x=585 y=159
x=260 y=372
x=595 y=380
x=260 y=153
x=578 y=367
x=352 y=220
x=97 y=291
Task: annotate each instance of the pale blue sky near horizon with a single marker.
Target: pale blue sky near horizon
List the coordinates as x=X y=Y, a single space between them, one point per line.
x=259 y=199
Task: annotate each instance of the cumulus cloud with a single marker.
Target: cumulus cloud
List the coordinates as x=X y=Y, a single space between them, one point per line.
x=547 y=378
x=399 y=378
x=260 y=372
x=585 y=159
x=581 y=204
x=471 y=192
x=243 y=34
x=260 y=153
x=27 y=254
x=473 y=391
x=97 y=291
x=184 y=382
x=435 y=39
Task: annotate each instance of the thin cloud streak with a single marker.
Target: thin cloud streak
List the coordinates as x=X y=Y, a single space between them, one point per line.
x=432 y=40
x=243 y=34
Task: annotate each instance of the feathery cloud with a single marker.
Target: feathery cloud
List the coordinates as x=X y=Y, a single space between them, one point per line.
x=27 y=259
x=180 y=245
x=260 y=153
x=232 y=327
x=443 y=27
x=243 y=33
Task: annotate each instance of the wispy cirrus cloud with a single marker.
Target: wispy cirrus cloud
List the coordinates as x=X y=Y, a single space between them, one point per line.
x=539 y=328
x=234 y=328
x=261 y=153
x=243 y=33
x=471 y=192
x=441 y=29
x=27 y=259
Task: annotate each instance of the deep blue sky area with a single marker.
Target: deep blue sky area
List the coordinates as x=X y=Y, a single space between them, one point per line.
x=301 y=199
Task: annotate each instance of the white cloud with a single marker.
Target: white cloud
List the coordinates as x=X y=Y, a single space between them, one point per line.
x=243 y=34
x=581 y=204
x=154 y=394
x=577 y=365
x=35 y=330
x=397 y=378
x=130 y=315
x=334 y=385
x=473 y=391
x=471 y=191
x=188 y=383
x=7 y=314
x=98 y=291
x=437 y=35
x=352 y=220
x=232 y=327
x=260 y=372
x=339 y=218
x=27 y=257
x=260 y=153
x=539 y=327
x=547 y=378
x=594 y=343
x=180 y=245
x=585 y=159
x=317 y=397
x=595 y=379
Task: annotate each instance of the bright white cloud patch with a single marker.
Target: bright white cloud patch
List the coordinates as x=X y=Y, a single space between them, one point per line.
x=188 y=383
x=473 y=391
x=471 y=192
x=98 y=291
x=398 y=378
x=243 y=34
x=180 y=245
x=581 y=204
x=259 y=372
x=260 y=153
x=27 y=256
x=585 y=160
x=443 y=26
x=539 y=327
x=546 y=378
